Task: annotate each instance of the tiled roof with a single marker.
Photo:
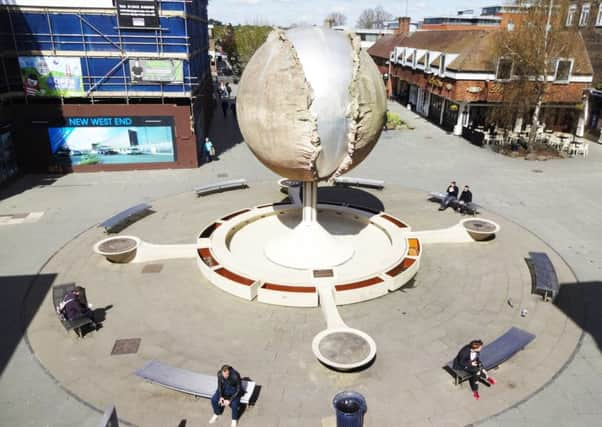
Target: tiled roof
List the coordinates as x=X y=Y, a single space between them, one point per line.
x=476 y=49
x=384 y=45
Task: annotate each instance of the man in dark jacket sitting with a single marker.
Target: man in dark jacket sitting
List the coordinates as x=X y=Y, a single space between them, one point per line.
x=452 y=194
x=465 y=198
x=228 y=393
x=468 y=360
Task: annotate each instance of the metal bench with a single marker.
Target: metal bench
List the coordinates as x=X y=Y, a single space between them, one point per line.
x=58 y=294
x=469 y=208
x=221 y=186
x=496 y=352
x=122 y=217
x=185 y=381
x=543 y=274
x=359 y=182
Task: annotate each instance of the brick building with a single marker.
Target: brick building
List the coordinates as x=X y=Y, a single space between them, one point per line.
x=586 y=17
x=454 y=77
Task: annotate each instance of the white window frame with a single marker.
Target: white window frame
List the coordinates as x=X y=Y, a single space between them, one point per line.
x=570 y=16
x=572 y=61
x=442 y=64
x=599 y=16
x=497 y=69
x=427 y=62
x=415 y=59
x=584 y=16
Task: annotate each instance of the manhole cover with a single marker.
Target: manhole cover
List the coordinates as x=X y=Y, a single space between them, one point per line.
x=152 y=268
x=126 y=346
x=537 y=171
x=222 y=175
x=118 y=245
x=323 y=273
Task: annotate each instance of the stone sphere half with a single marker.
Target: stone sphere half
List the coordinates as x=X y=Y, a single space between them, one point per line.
x=311 y=103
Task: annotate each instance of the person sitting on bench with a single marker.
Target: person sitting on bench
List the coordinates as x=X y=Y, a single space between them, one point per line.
x=468 y=360
x=465 y=198
x=228 y=393
x=452 y=194
x=75 y=305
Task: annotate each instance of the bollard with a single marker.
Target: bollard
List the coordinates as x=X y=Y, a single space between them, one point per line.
x=350 y=408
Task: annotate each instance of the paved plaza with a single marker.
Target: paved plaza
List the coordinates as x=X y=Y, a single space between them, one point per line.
x=50 y=378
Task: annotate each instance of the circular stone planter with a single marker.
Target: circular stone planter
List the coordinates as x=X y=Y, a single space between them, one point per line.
x=118 y=249
x=344 y=349
x=480 y=229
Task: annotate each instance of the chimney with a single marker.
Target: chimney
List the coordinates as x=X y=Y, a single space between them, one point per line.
x=404 y=26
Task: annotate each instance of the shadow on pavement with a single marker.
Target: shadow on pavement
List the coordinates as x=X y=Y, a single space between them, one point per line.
x=582 y=302
x=224 y=131
x=25 y=183
x=20 y=299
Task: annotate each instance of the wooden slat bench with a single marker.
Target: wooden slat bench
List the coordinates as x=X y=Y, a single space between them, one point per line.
x=129 y=215
x=221 y=186
x=359 y=182
x=496 y=352
x=208 y=231
x=291 y=295
x=185 y=381
x=207 y=257
x=362 y=290
x=401 y=267
x=413 y=247
x=394 y=221
x=544 y=275
x=76 y=325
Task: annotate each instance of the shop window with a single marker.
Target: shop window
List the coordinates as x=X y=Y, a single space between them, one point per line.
x=599 y=17
x=563 y=70
x=504 y=69
x=584 y=17
x=570 y=17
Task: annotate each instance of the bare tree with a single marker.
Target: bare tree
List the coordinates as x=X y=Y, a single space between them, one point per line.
x=335 y=19
x=528 y=54
x=373 y=18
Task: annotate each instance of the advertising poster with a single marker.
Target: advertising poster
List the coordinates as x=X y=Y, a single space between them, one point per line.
x=138 y=14
x=8 y=158
x=156 y=70
x=112 y=140
x=51 y=76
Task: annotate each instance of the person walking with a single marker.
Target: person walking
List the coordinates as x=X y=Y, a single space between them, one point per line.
x=452 y=193
x=228 y=89
x=208 y=150
x=468 y=360
x=225 y=107
x=228 y=393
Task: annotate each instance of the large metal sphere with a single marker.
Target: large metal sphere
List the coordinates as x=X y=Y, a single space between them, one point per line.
x=311 y=104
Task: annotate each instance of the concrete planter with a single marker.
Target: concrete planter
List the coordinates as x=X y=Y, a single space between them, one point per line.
x=118 y=249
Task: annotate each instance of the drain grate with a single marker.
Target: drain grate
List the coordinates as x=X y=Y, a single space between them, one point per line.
x=537 y=171
x=323 y=273
x=126 y=346
x=152 y=268
x=222 y=175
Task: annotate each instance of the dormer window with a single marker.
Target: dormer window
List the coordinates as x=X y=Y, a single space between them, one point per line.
x=504 y=69
x=584 y=17
x=570 y=17
x=564 y=68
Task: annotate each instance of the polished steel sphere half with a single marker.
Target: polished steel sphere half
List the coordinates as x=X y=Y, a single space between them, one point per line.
x=311 y=103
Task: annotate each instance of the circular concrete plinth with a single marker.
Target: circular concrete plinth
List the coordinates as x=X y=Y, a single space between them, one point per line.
x=344 y=349
x=370 y=243
x=118 y=249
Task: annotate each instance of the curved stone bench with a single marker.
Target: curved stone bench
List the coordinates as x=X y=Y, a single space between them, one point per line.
x=403 y=272
x=350 y=293
x=290 y=295
x=229 y=281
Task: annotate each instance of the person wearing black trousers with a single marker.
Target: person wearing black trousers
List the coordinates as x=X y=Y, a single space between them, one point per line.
x=468 y=360
x=452 y=194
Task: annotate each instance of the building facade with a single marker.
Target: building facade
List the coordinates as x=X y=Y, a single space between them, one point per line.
x=454 y=78
x=105 y=84
x=586 y=17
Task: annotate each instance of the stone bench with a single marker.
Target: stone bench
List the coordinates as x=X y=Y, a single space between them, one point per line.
x=128 y=215
x=290 y=295
x=543 y=274
x=359 y=182
x=221 y=186
x=189 y=382
x=76 y=325
x=496 y=352
x=362 y=290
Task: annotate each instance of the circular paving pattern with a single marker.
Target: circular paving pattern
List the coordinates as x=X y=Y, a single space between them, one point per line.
x=460 y=293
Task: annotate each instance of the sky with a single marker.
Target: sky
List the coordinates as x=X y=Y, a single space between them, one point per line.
x=287 y=12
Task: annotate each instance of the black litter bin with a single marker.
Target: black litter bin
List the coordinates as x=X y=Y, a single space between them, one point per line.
x=350 y=407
